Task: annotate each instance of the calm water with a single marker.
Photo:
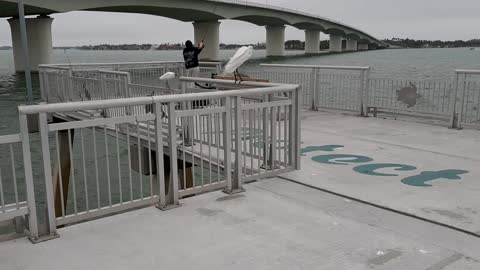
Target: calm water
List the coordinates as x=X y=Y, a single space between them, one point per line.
x=409 y=64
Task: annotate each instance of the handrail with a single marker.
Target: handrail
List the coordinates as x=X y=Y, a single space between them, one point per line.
x=317 y=67
x=61 y=65
x=264 y=88
x=467 y=71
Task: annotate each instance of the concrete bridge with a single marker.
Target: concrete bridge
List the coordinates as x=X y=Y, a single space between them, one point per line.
x=205 y=16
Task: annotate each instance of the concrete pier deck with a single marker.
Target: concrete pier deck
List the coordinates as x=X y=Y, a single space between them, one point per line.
x=421 y=152
x=299 y=223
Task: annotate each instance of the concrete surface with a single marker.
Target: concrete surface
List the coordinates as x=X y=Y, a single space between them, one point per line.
x=453 y=202
x=275 y=224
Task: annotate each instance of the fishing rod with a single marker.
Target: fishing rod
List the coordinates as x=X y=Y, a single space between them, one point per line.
x=215 y=6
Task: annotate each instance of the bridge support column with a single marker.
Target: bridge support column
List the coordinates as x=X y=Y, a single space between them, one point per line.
x=39 y=35
x=335 y=43
x=363 y=47
x=209 y=32
x=312 y=41
x=276 y=40
x=352 y=45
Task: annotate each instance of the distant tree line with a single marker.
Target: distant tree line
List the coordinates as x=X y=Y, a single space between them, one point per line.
x=289 y=45
x=412 y=43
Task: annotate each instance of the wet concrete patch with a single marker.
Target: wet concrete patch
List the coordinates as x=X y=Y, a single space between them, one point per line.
x=446 y=262
x=385 y=257
x=450 y=214
x=229 y=198
x=208 y=212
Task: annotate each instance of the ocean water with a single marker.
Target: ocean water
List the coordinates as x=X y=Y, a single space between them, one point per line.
x=404 y=64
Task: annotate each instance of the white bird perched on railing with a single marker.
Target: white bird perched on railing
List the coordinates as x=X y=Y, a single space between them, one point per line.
x=240 y=57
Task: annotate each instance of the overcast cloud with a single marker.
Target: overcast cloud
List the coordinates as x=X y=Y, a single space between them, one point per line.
x=419 y=19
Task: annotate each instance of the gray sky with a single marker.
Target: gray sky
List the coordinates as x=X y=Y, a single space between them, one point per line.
x=419 y=19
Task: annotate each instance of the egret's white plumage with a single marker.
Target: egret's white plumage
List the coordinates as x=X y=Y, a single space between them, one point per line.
x=240 y=57
x=167 y=76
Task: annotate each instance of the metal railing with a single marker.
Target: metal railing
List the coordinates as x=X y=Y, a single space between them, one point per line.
x=17 y=198
x=416 y=98
x=13 y=201
x=356 y=89
x=100 y=164
x=77 y=82
x=329 y=87
x=466 y=111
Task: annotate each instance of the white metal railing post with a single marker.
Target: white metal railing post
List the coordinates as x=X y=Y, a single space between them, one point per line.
x=361 y=93
x=235 y=185
x=227 y=141
x=297 y=121
x=127 y=94
x=27 y=165
x=462 y=101
x=291 y=130
x=453 y=106
x=172 y=189
x=187 y=122
x=314 y=91
x=70 y=84
x=366 y=94
x=46 y=86
x=47 y=169
x=160 y=177
x=41 y=78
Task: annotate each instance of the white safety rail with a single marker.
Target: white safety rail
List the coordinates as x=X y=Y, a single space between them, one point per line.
x=466 y=112
x=416 y=98
x=356 y=89
x=107 y=163
x=329 y=87
x=78 y=82
x=17 y=198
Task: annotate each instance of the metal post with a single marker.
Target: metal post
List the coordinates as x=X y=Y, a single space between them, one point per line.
x=291 y=131
x=462 y=101
x=366 y=94
x=315 y=89
x=172 y=190
x=362 y=93
x=70 y=84
x=235 y=185
x=27 y=164
x=453 y=106
x=187 y=122
x=41 y=76
x=47 y=168
x=227 y=141
x=160 y=178
x=297 y=120
x=126 y=83
x=26 y=59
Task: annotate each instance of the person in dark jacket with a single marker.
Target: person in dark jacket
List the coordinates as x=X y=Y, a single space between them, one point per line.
x=190 y=55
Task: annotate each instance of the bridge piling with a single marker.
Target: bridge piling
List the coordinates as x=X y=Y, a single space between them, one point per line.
x=312 y=41
x=276 y=40
x=39 y=32
x=209 y=33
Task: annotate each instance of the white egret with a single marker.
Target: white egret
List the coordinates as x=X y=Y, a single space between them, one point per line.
x=240 y=57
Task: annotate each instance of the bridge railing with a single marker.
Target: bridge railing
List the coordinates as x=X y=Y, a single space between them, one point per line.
x=100 y=164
